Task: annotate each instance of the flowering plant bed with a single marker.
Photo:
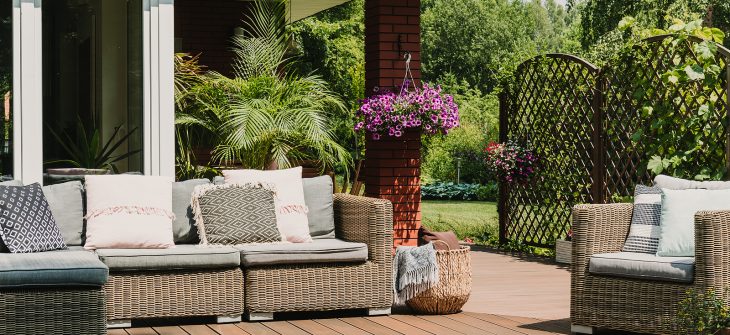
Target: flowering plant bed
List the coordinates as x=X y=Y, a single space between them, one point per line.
x=391 y=114
x=510 y=162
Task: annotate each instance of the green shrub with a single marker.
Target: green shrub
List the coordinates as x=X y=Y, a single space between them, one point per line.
x=452 y=191
x=488 y=192
x=702 y=313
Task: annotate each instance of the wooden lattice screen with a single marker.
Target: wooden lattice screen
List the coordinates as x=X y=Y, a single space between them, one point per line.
x=583 y=123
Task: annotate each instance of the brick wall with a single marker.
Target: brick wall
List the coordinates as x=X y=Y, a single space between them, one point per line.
x=392 y=165
x=207 y=30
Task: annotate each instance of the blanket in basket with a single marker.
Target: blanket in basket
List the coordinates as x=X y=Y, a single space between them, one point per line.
x=414 y=270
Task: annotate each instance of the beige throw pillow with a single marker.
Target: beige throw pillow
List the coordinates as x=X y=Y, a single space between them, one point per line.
x=291 y=211
x=128 y=212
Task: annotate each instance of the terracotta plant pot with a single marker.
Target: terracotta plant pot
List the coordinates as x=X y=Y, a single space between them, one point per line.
x=724 y=331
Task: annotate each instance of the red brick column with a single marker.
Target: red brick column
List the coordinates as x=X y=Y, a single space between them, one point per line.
x=392 y=165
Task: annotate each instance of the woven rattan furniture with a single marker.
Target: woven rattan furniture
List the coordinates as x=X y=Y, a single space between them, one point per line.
x=63 y=311
x=453 y=288
x=332 y=286
x=177 y=293
x=636 y=305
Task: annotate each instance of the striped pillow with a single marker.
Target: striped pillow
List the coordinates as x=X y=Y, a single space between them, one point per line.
x=644 y=232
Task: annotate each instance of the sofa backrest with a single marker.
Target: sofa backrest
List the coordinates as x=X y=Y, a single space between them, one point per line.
x=67 y=202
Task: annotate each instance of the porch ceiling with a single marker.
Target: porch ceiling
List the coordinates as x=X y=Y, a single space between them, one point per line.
x=304 y=8
x=300 y=9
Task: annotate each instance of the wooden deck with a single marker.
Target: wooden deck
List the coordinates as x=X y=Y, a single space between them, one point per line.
x=463 y=323
x=511 y=295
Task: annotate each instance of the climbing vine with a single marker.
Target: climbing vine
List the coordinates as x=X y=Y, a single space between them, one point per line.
x=685 y=106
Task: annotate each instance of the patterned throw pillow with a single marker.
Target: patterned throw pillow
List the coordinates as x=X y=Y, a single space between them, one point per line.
x=235 y=214
x=645 y=231
x=26 y=222
x=291 y=208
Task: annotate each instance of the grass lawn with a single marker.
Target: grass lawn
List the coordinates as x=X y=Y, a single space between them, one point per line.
x=476 y=220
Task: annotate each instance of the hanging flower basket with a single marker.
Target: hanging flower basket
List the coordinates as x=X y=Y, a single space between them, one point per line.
x=510 y=162
x=391 y=114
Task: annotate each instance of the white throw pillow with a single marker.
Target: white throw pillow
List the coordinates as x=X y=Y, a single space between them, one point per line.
x=677 y=237
x=291 y=211
x=128 y=212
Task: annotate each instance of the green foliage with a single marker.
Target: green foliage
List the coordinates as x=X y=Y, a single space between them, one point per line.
x=481 y=40
x=87 y=149
x=333 y=44
x=452 y=191
x=479 y=115
x=601 y=18
x=702 y=313
x=267 y=115
x=681 y=139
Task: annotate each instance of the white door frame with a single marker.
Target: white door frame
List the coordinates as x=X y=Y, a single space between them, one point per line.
x=159 y=101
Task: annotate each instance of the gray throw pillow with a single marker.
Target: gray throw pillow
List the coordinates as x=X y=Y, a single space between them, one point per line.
x=26 y=222
x=3 y=248
x=320 y=201
x=644 y=232
x=67 y=205
x=235 y=214
x=183 y=228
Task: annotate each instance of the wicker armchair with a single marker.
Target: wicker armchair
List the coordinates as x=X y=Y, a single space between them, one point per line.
x=332 y=286
x=635 y=305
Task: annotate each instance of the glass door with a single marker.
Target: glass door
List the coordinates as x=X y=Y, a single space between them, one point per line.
x=6 y=89
x=93 y=87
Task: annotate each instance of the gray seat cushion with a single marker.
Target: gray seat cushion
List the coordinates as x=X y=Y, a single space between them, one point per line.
x=183 y=228
x=320 y=202
x=181 y=257
x=643 y=266
x=67 y=205
x=67 y=268
x=319 y=251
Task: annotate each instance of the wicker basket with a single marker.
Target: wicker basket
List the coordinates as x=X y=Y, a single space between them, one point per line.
x=453 y=288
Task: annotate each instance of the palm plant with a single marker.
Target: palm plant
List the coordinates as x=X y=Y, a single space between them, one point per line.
x=266 y=116
x=86 y=150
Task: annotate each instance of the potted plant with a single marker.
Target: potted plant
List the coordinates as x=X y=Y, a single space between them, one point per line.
x=427 y=109
x=564 y=249
x=511 y=162
x=87 y=154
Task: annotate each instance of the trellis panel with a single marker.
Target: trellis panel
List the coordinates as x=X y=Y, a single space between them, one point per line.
x=589 y=132
x=551 y=108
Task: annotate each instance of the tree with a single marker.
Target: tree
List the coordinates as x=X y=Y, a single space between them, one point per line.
x=601 y=17
x=477 y=40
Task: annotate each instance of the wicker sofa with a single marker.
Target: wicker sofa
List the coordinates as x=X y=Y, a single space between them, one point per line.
x=638 y=305
x=56 y=292
x=348 y=268
x=323 y=286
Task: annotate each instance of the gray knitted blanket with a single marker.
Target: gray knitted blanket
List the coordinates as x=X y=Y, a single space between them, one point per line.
x=414 y=270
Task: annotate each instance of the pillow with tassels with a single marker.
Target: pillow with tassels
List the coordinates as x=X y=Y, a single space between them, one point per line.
x=291 y=210
x=128 y=212
x=234 y=214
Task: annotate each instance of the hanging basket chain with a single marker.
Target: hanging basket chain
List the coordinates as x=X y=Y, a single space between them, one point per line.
x=408 y=77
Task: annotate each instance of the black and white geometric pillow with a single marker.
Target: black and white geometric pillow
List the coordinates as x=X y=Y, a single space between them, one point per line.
x=233 y=214
x=644 y=232
x=26 y=222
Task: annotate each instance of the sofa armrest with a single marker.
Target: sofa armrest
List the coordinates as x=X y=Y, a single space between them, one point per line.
x=598 y=229
x=712 y=250
x=366 y=220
